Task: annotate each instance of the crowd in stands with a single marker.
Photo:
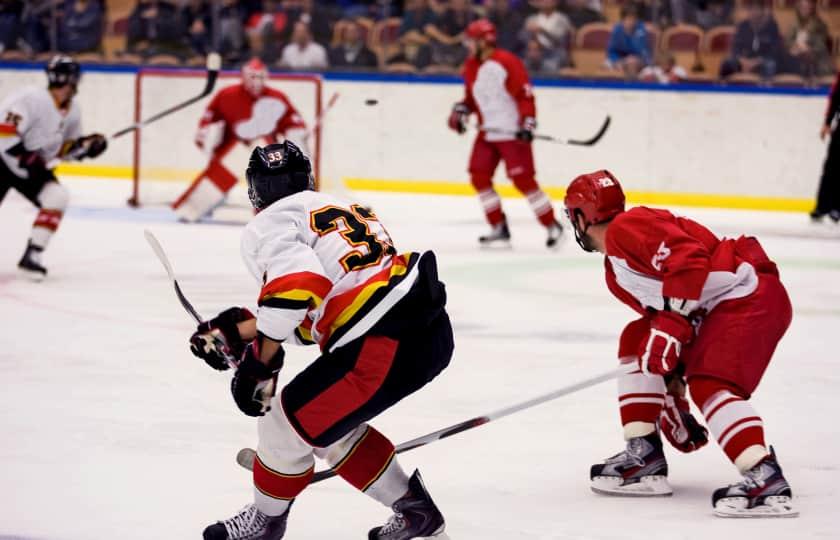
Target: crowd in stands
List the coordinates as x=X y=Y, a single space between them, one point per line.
x=654 y=40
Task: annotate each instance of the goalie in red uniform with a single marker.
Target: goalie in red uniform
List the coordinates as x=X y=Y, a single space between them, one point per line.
x=499 y=92
x=712 y=310
x=243 y=113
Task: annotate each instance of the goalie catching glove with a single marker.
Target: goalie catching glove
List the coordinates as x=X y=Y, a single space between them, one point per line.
x=89 y=146
x=217 y=341
x=254 y=382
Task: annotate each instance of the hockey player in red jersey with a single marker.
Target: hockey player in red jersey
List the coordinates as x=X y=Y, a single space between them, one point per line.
x=243 y=113
x=329 y=275
x=712 y=310
x=499 y=93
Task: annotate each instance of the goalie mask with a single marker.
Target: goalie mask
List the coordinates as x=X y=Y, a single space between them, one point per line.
x=598 y=198
x=276 y=171
x=254 y=75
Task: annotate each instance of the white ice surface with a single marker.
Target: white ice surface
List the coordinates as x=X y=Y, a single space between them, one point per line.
x=110 y=429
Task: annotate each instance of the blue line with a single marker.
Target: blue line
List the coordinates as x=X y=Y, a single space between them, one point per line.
x=583 y=84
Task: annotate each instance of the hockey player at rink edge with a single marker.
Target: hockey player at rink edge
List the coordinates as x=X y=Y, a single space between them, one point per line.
x=247 y=113
x=330 y=276
x=712 y=310
x=498 y=91
x=38 y=128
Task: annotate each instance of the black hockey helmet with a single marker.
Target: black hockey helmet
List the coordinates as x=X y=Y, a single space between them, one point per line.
x=63 y=70
x=276 y=171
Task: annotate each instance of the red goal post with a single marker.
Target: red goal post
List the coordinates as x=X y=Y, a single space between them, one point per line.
x=165 y=159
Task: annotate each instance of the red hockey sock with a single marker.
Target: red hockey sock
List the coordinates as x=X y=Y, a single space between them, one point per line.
x=48 y=219
x=640 y=400
x=492 y=205
x=732 y=420
x=541 y=205
x=366 y=460
x=278 y=485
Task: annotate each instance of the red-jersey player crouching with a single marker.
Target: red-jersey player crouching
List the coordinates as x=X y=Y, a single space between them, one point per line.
x=712 y=310
x=246 y=112
x=499 y=92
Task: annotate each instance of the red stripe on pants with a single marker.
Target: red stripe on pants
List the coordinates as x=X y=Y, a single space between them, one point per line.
x=351 y=391
x=278 y=485
x=367 y=460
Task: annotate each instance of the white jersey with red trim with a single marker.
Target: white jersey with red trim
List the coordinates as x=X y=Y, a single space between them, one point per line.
x=30 y=116
x=328 y=269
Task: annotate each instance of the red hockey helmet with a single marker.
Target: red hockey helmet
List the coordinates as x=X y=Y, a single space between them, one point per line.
x=482 y=29
x=597 y=197
x=254 y=75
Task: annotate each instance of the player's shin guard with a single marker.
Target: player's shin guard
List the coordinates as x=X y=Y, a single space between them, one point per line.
x=206 y=192
x=367 y=461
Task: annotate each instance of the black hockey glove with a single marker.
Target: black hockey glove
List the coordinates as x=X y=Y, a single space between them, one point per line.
x=217 y=341
x=89 y=146
x=526 y=132
x=254 y=383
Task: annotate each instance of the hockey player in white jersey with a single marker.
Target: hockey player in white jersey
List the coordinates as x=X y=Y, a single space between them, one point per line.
x=329 y=275
x=39 y=127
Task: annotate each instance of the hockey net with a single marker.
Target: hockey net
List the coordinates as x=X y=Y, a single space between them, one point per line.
x=165 y=157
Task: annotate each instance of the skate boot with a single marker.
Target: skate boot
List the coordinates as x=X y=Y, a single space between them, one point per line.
x=249 y=524
x=835 y=216
x=499 y=234
x=764 y=492
x=415 y=516
x=30 y=264
x=555 y=231
x=639 y=471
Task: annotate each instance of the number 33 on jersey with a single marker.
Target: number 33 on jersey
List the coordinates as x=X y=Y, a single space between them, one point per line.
x=328 y=269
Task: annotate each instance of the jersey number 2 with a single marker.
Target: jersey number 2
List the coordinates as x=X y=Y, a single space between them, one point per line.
x=357 y=233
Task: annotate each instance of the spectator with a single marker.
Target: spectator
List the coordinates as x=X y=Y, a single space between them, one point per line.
x=412 y=53
x=628 y=49
x=231 y=29
x=10 y=22
x=197 y=21
x=579 y=13
x=80 y=27
x=715 y=13
x=37 y=15
x=664 y=71
x=551 y=29
x=417 y=17
x=315 y=16
x=264 y=29
x=154 y=28
x=807 y=42
x=446 y=33
x=757 y=46
x=352 y=53
x=537 y=62
x=508 y=24
x=303 y=53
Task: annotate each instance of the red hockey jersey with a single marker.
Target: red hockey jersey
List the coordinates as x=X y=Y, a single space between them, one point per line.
x=499 y=91
x=247 y=118
x=653 y=254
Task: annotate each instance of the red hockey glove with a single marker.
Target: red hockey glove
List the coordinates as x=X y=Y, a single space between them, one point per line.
x=254 y=383
x=526 y=131
x=659 y=353
x=217 y=341
x=458 y=118
x=678 y=425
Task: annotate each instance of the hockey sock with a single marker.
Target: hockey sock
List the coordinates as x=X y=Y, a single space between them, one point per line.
x=53 y=199
x=640 y=401
x=541 y=205
x=274 y=490
x=492 y=205
x=370 y=465
x=732 y=420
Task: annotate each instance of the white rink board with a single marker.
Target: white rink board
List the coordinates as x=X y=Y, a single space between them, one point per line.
x=111 y=429
x=686 y=142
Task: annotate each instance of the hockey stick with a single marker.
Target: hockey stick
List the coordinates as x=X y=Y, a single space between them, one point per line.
x=246 y=456
x=164 y=260
x=585 y=142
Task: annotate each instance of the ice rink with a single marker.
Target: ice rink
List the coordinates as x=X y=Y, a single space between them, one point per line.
x=111 y=429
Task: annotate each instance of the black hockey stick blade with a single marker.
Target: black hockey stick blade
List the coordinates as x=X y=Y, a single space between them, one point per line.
x=164 y=260
x=596 y=138
x=214 y=63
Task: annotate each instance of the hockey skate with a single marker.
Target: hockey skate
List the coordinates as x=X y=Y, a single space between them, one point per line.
x=499 y=235
x=555 y=231
x=249 y=524
x=639 y=471
x=764 y=492
x=30 y=264
x=415 y=516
